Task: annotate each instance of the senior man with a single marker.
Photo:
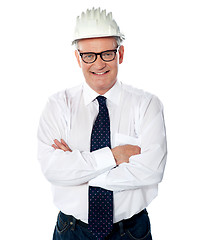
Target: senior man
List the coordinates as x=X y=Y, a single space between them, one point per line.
x=102 y=144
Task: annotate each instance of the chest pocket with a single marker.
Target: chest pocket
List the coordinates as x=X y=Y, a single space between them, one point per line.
x=122 y=139
x=126 y=124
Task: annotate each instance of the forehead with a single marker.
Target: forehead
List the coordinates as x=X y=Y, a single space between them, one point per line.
x=97 y=44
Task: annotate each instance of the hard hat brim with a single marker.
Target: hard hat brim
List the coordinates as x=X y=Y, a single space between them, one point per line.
x=122 y=37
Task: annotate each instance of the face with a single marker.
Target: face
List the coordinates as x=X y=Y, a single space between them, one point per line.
x=100 y=75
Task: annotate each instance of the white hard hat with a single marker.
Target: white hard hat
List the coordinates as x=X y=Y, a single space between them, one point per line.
x=95 y=23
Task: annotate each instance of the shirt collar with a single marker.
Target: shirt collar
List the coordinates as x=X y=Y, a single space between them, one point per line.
x=112 y=95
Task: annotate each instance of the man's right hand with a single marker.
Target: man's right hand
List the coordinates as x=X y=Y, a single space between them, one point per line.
x=61 y=145
x=124 y=152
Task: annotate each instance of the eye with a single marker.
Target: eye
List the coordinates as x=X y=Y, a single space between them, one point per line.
x=88 y=56
x=108 y=55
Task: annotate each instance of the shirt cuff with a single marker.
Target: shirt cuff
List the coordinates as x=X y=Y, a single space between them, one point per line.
x=104 y=158
x=99 y=181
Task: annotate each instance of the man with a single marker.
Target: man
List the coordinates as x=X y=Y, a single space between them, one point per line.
x=102 y=144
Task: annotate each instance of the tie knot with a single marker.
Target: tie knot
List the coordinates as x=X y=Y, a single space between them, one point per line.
x=101 y=100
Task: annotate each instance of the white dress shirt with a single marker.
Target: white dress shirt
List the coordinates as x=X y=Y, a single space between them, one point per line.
x=136 y=118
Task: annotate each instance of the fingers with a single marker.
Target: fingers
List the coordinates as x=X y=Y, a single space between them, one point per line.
x=54 y=146
x=65 y=144
x=133 y=149
x=61 y=145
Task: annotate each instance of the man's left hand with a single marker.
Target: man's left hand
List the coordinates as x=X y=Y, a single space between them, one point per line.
x=123 y=153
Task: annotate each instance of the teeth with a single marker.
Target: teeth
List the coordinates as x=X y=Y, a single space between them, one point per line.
x=100 y=73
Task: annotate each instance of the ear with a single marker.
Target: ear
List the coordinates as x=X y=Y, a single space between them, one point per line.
x=78 y=58
x=121 y=54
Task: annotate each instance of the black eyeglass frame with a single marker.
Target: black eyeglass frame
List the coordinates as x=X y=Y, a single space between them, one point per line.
x=100 y=54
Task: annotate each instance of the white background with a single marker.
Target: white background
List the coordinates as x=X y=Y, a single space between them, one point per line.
x=37 y=60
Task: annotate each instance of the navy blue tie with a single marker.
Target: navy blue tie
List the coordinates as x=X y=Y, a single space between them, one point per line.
x=100 y=200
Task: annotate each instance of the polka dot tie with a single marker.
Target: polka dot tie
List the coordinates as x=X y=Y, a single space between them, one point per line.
x=100 y=200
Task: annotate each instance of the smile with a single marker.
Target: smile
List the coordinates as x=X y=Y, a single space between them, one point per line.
x=100 y=73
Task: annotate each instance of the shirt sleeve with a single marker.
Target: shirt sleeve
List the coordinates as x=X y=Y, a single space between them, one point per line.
x=147 y=168
x=66 y=168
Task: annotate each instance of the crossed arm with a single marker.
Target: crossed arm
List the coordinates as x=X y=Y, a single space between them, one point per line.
x=121 y=153
x=137 y=166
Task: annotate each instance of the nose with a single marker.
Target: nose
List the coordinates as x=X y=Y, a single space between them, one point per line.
x=99 y=63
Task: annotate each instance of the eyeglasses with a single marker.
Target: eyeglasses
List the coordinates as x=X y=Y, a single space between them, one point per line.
x=90 y=57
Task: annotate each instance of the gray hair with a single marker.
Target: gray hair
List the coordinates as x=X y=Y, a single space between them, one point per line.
x=118 y=40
